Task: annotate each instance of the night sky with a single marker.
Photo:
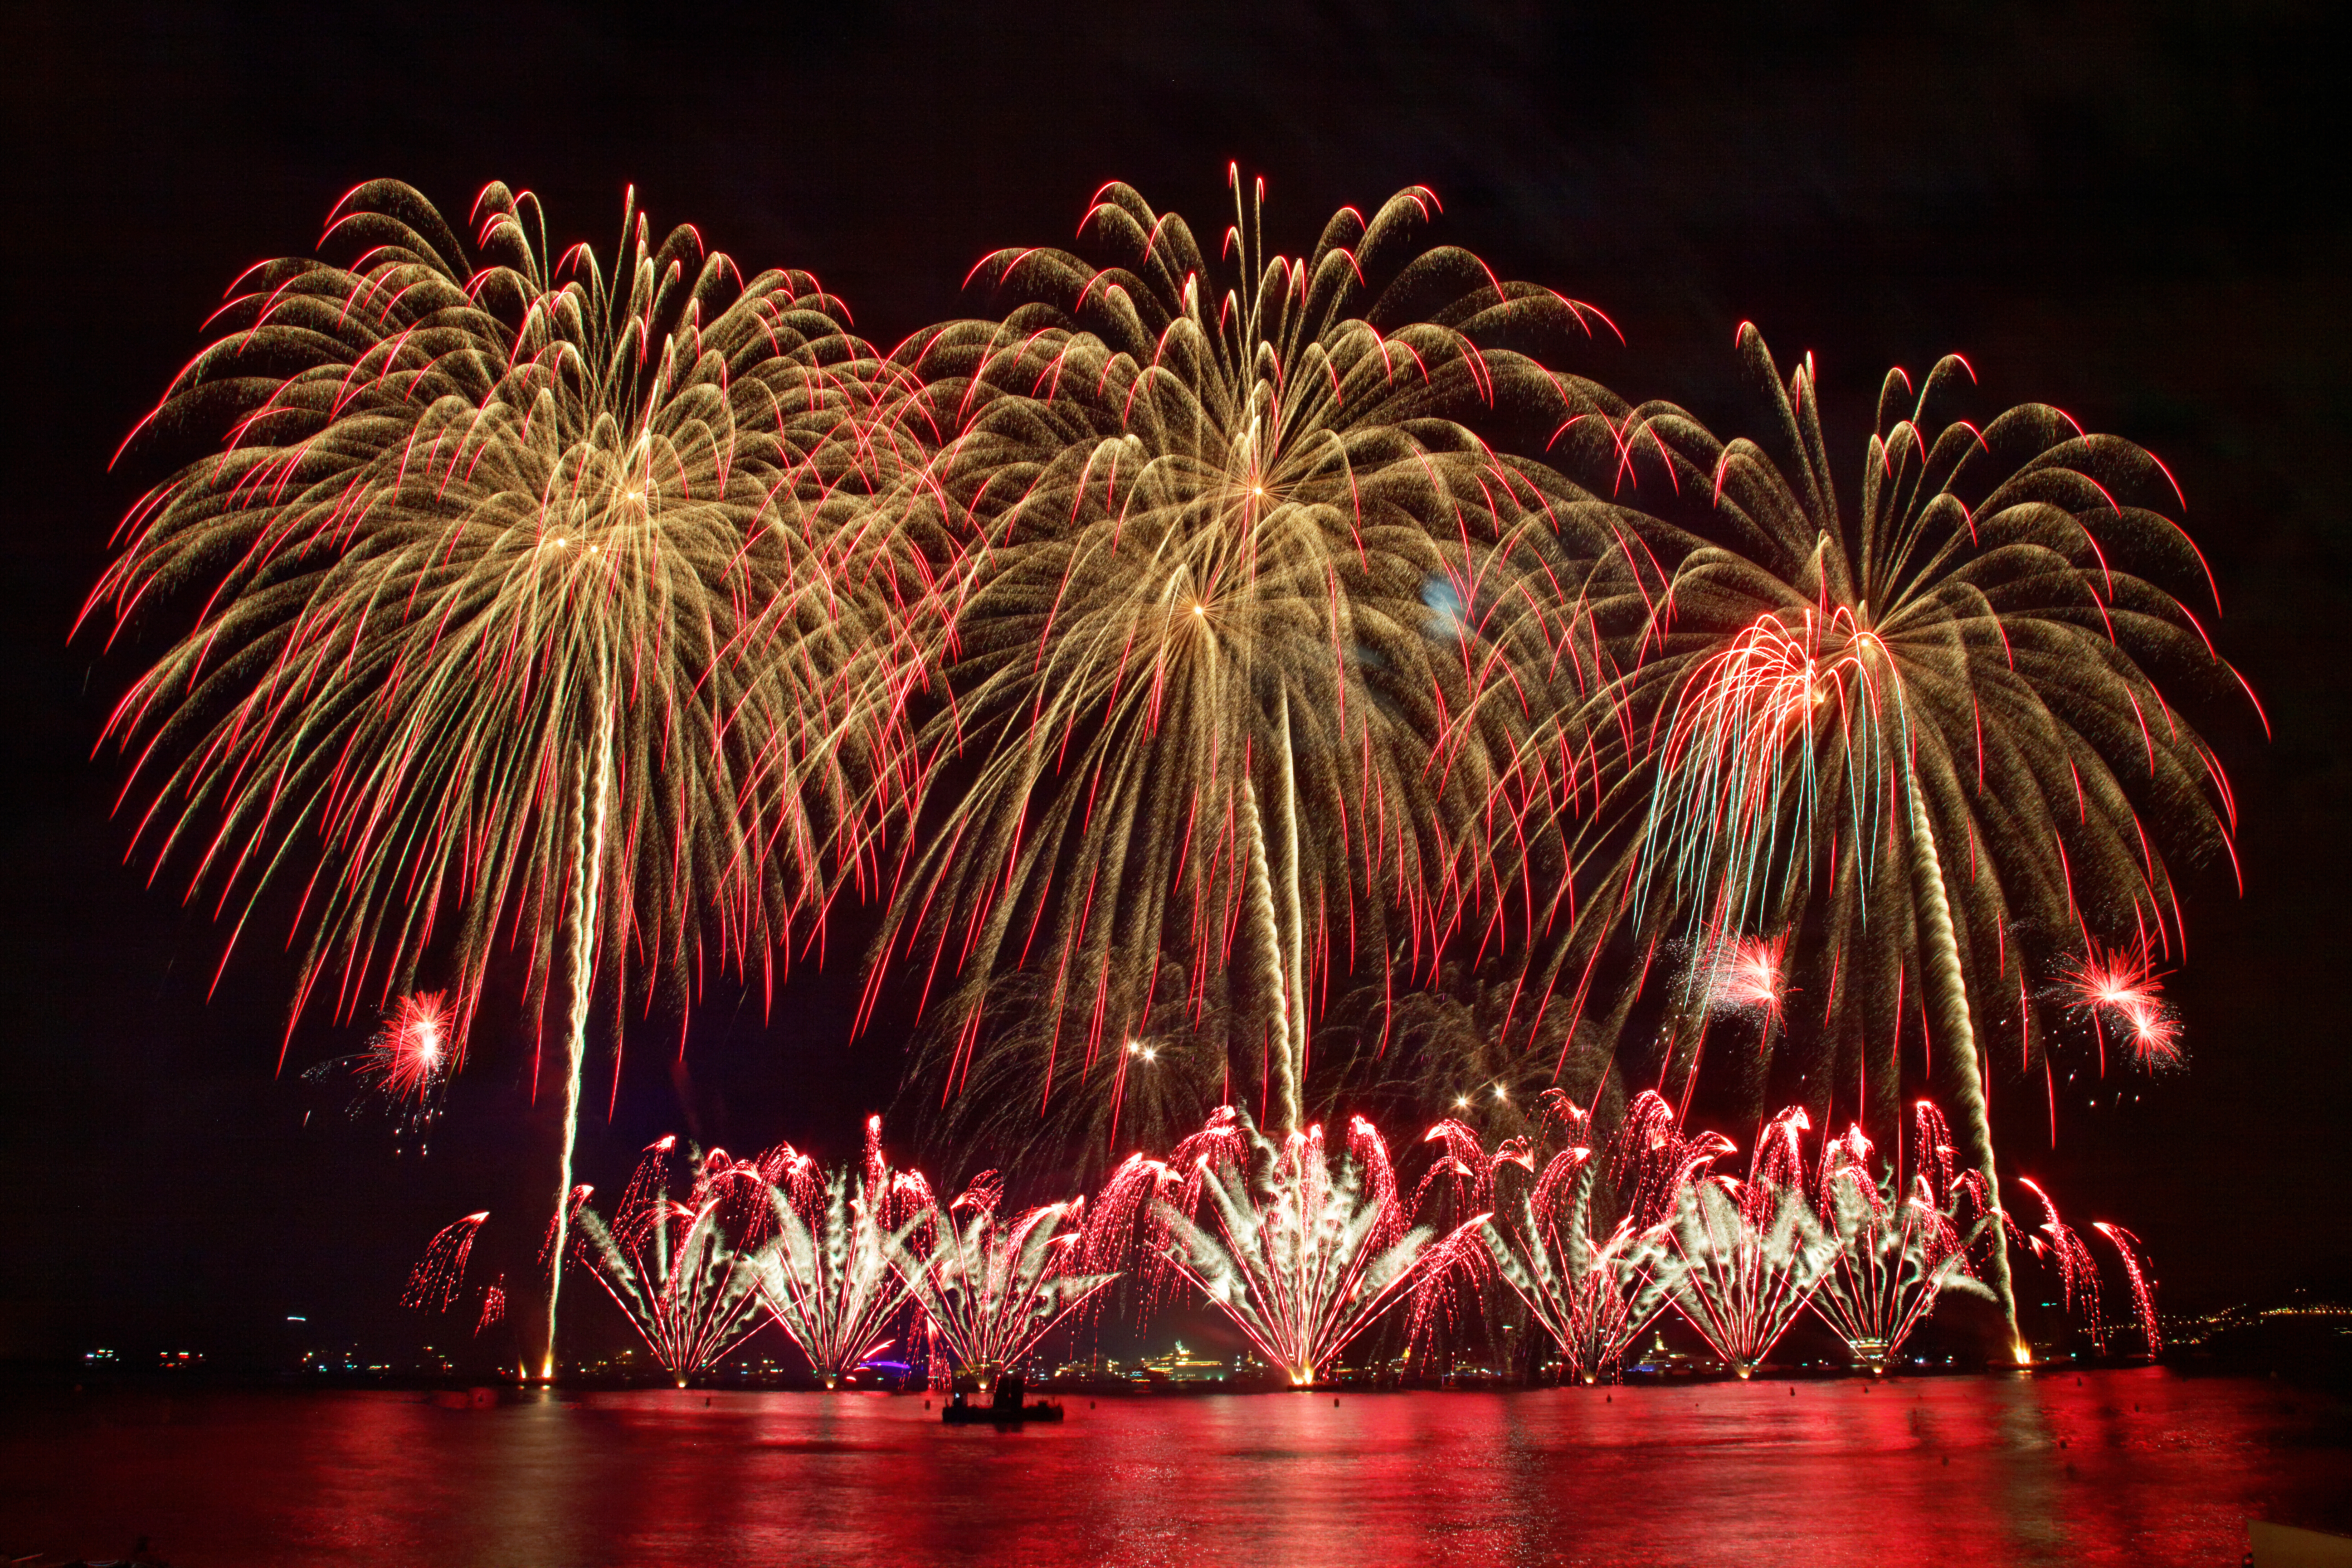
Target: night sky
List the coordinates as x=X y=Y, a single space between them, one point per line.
x=2139 y=214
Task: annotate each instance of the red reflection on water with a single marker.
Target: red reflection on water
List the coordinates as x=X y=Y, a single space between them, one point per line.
x=2154 y=1468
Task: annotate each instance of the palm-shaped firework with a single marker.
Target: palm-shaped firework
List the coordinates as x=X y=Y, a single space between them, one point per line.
x=1918 y=732
x=994 y=1287
x=531 y=607
x=827 y=1275
x=1222 y=618
x=1303 y=1252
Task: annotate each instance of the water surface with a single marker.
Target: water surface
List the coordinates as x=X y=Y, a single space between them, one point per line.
x=2133 y=1466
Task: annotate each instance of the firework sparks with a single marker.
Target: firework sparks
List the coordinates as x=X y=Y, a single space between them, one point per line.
x=1899 y=1250
x=410 y=1057
x=1920 y=725
x=2078 y=1273
x=2122 y=986
x=671 y=1266
x=1741 y=1260
x=1747 y=973
x=435 y=1283
x=2143 y=1289
x=1594 y=1295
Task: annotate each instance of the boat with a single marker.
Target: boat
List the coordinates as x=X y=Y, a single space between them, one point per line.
x=1005 y=1409
x=1000 y=1414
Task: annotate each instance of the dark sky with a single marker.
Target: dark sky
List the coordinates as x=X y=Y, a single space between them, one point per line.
x=2137 y=213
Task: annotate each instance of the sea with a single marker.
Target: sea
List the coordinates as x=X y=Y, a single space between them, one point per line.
x=2137 y=1465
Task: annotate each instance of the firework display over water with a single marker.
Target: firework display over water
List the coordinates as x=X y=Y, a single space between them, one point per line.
x=1485 y=696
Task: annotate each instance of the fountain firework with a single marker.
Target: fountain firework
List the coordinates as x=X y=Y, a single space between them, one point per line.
x=1594 y=1297
x=827 y=1275
x=1301 y=1251
x=993 y=1288
x=1898 y=1247
x=1740 y=1260
x=670 y=1265
x=1595 y=1293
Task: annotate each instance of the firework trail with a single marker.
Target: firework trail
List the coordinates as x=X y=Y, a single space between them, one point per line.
x=494 y=1306
x=2123 y=986
x=1222 y=624
x=671 y=1266
x=531 y=596
x=2078 y=1272
x=1898 y=1249
x=993 y=1287
x=1912 y=727
x=435 y=1283
x=1300 y=1250
x=827 y=1276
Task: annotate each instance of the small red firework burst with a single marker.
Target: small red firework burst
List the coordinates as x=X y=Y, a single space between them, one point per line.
x=2122 y=986
x=1749 y=972
x=415 y=1050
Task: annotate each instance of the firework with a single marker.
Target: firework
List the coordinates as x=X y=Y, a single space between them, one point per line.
x=409 y=1058
x=1594 y=1296
x=440 y=1275
x=1741 y=1260
x=1223 y=625
x=2123 y=986
x=828 y=1277
x=991 y=1287
x=670 y=1265
x=1915 y=727
x=1456 y=1293
x=1747 y=973
x=1898 y=1249
x=530 y=595
x=2143 y=1289
x=494 y=1306
x=2078 y=1273
x=1301 y=1251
